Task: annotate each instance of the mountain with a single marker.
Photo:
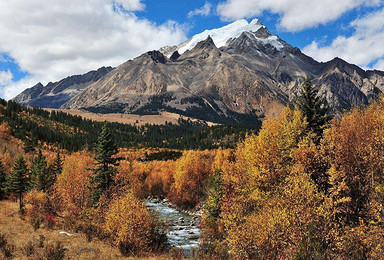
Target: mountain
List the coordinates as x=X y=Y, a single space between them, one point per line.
x=53 y=95
x=237 y=73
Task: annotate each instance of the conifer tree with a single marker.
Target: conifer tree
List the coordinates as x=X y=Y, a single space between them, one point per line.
x=40 y=176
x=57 y=167
x=3 y=179
x=313 y=108
x=28 y=146
x=105 y=164
x=18 y=181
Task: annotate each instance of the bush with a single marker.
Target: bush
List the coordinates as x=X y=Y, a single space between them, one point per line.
x=39 y=209
x=29 y=249
x=191 y=174
x=6 y=248
x=54 y=251
x=129 y=223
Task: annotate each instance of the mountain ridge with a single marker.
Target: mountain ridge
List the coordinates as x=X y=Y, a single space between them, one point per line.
x=250 y=76
x=55 y=94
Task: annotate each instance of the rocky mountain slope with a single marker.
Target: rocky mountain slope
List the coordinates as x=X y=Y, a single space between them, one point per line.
x=53 y=95
x=237 y=73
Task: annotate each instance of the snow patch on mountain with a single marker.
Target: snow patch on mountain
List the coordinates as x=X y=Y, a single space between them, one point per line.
x=221 y=35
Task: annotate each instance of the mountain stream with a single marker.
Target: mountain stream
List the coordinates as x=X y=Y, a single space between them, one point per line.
x=183 y=229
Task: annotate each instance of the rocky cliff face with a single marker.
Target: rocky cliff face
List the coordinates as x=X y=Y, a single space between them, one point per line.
x=53 y=95
x=237 y=73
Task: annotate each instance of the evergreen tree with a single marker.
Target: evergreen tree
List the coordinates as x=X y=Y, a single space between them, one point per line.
x=18 y=181
x=106 y=161
x=3 y=179
x=40 y=176
x=28 y=146
x=313 y=108
x=57 y=167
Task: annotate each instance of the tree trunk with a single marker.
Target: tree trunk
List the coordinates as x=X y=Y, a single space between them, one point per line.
x=20 y=201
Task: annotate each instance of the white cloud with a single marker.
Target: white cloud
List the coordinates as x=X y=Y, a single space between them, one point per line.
x=54 y=39
x=11 y=89
x=5 y=77
x=131 y=5
x=295 y=15
x=363 y=47
x=379 y=65
x=205 y=10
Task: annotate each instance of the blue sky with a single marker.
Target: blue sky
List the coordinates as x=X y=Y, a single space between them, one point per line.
x=54 y=39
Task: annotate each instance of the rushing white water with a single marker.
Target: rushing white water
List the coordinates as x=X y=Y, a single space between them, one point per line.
x=184 y=231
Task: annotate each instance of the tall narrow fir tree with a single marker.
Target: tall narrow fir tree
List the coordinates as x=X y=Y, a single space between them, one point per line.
x=314 y=109
x=18 y=181
x=106 y=162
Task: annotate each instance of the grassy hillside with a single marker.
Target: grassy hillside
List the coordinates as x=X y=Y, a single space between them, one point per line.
x=73 y=133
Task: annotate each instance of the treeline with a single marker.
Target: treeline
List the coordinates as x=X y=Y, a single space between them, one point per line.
x=74 y=133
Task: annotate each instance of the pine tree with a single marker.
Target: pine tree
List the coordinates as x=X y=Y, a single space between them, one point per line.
x=3 y=179
x=57 y=167
x=313 y=108
x=105 y=164
x=40 y=176
x=28 y=146
x=18 y=181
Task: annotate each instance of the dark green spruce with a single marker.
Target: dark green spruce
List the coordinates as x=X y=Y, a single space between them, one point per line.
x=106 y=162
x=313 y=107
x=57 y=167
x=18 y=181
x=41 y=178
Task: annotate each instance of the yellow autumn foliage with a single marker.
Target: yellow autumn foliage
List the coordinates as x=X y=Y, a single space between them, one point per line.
x=73 y=184
x=128 y=221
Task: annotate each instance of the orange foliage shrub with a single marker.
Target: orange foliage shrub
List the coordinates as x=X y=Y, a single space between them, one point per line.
x=354 y=149
x=131 y=176
x=191 y=174
x=160 y=178
x=72 y=184
x=129 y=223
x=5 y=131
x=7 y=161
x=38 y=207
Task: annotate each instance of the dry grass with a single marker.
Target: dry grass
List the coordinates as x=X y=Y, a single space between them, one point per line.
x=21 y=235
x=130 y=118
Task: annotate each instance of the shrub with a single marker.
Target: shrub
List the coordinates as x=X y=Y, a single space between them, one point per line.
x=54 y=251
x=39 y=209
x=129 y=223
x=6 y=248
x=29 y=248
x=191 y=175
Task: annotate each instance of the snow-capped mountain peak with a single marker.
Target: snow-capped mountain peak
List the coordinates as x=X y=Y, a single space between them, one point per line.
x=222 y=36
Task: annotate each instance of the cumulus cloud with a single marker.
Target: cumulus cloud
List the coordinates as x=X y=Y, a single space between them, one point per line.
x=295 y=15
x=5 y=77
x=53 y=39
x=130 y=5
x=363 y=47
x=12 y=88
x=205 y=10
x=379 y=65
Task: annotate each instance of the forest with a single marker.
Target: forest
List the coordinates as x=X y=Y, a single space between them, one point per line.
x=305 y=186
x=36 y=126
